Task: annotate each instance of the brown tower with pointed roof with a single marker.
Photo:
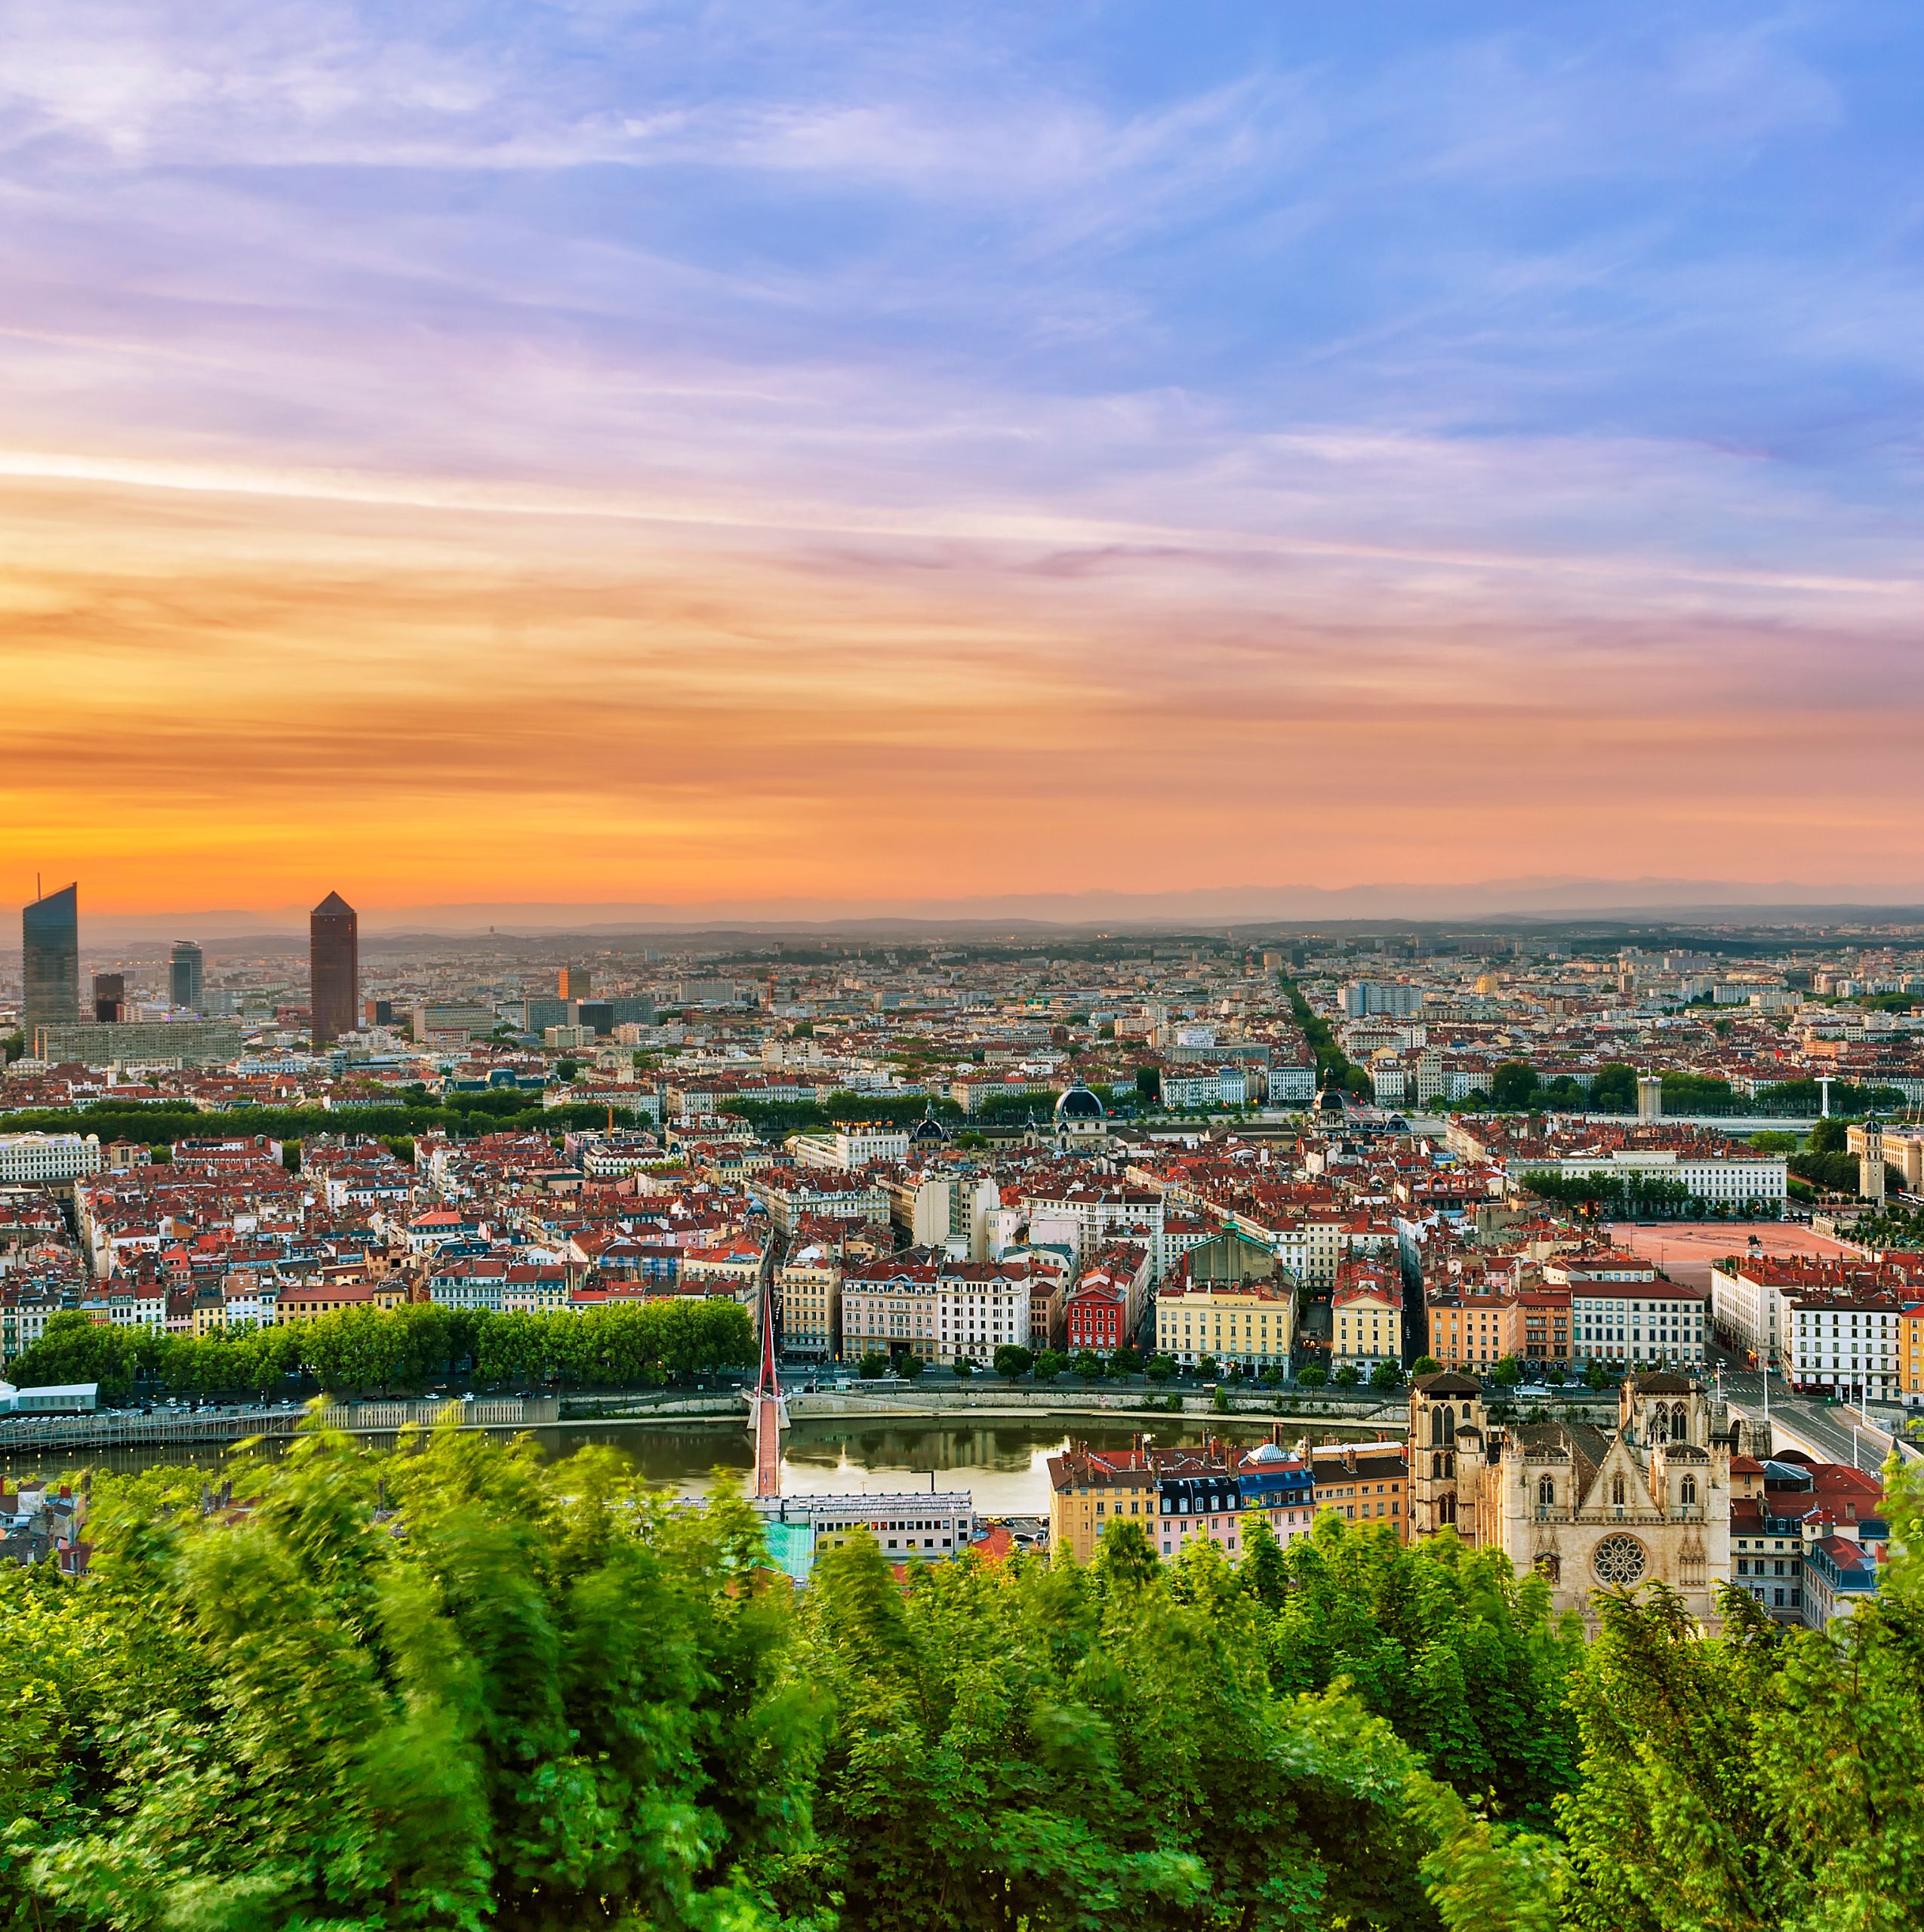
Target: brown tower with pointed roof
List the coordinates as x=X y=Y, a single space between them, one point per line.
x=333 y=953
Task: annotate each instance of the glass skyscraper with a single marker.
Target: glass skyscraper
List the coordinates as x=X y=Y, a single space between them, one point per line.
x=185 y=969
x=50 y=946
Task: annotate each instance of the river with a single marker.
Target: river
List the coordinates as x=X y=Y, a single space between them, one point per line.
x=1003 y=1463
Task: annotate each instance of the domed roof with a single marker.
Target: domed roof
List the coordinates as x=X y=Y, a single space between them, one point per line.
x=1079 y=1103
x=1266 y=1452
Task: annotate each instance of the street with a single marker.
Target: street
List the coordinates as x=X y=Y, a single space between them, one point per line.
x=1827 y=1431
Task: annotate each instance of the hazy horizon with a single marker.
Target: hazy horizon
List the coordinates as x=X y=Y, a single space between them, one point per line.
x=1527 y=899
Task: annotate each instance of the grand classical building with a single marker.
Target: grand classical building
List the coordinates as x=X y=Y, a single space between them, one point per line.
x=1590 y=1508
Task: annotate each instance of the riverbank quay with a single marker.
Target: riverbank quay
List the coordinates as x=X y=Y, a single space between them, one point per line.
x=877 y=1401
x=131 y=1428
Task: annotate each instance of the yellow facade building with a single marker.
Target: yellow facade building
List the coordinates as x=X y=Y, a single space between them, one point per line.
x=1911 y=1352
x=1251 y=1323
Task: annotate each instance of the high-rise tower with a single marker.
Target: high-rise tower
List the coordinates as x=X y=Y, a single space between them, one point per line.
x=186 y=973
x=333 y=949
x=109 y=996
x=50 y=946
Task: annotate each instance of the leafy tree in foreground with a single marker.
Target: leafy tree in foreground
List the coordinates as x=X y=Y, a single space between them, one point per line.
x=451 y=1687
x=1765 y=1780
x=552 y=1702
x=1043 y=1747
x=1447 y=1644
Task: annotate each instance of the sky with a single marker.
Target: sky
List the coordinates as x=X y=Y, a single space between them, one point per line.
x=857 y=454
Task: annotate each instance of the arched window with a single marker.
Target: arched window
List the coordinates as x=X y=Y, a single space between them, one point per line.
x=1443 y=1426
x=1617 y=1491
x=1660 y=1424
x=1680 y=1423
x=1687 y=1489
x=1446 y=1508
x=1545 y=1492
x=1436 y=1464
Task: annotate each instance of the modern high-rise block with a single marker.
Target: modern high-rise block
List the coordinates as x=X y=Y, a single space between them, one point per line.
x=109 y=997
x=186 y=975
x=334 y=950
x=573 y=982
x=50 y=947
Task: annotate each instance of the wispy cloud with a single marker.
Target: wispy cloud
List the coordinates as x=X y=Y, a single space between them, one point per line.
x=739 y=415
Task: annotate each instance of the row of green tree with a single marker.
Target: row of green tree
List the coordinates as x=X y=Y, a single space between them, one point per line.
x=461 y=1116
x=1330 y=1057
x=1839 y=1172
x=362 y=1351
x=462 y=1688
x=1515 y=1087
x=1631 y=1196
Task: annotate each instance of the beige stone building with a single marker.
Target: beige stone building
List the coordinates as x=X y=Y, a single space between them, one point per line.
x=1591 y=1509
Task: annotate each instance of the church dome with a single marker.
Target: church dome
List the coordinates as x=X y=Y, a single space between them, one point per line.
x=1079 y=1103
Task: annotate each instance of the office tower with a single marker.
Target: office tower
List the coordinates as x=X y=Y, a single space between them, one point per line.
x=377 y=1012
x=50 y=948
x=186 y=970
x=573 y=982
x=109 y=997
x=334 y=952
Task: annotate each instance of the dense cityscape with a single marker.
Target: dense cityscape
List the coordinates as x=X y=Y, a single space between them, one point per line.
x=969 y=970
x=1593 y=1253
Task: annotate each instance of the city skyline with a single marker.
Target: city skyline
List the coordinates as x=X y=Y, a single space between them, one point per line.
x=756 y=454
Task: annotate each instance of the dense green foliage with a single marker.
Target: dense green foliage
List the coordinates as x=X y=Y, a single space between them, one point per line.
x=542 y=1700
x=1633 y=1196
x=1839 y=1173
x=359 y=1350
x=453 y=1686
x=1317 y=1031
x=462 y=1116
x=1442 y=1642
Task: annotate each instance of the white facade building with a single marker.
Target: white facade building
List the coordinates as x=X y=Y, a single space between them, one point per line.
x=1731 y=1179
x=852 y=1146
x=1227 y=1087
x=1639 y=1323
x=48 y=1156
x=1842 y=1345
x=981 y=1307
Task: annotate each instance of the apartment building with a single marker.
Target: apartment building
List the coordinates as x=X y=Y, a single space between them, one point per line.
x=808 y=1299
x=1366 y=1315
x=889 y=1307
x=1251 y=1324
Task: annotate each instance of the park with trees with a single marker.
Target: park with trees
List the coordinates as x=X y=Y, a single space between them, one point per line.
x=368 y=1351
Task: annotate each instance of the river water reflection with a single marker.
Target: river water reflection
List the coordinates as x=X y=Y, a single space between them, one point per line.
x=1003 y=1462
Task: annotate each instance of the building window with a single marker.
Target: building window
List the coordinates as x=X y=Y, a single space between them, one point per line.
x=1545 y=1492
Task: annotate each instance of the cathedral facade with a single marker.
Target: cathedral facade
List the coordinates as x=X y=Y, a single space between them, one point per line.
x=1590 y=1509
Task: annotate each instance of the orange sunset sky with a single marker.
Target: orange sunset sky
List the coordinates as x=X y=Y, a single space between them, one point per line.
x=831 y=454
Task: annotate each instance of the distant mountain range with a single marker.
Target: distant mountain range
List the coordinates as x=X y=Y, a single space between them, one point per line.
x=1526 y=899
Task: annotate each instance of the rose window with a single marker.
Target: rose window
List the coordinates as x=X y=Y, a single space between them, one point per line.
x=1619 y=1560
